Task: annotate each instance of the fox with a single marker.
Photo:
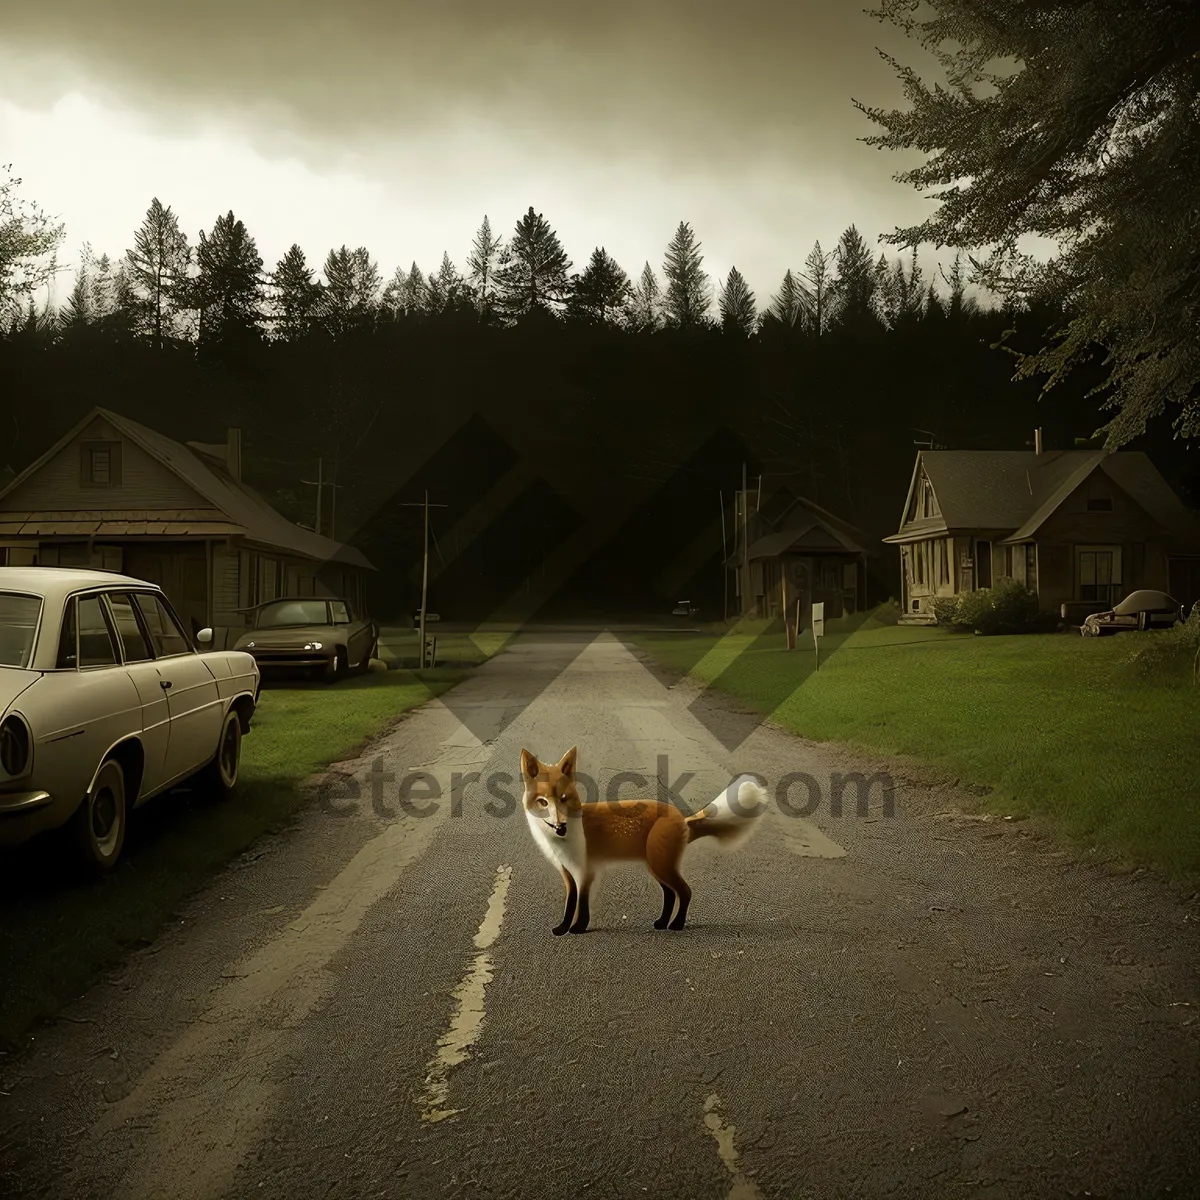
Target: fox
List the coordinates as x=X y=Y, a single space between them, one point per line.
x=581 y=839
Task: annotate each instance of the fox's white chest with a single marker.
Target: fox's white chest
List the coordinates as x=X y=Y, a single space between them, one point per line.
x=569 y=852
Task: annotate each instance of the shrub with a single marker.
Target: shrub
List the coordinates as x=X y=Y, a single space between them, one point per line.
x=1008 y=607
x=1169 y=652
x=887 y=613
x=944 y=610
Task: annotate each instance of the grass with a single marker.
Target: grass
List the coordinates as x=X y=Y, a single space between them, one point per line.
x=1063 y=729
x=398 y=646
x=59 y=931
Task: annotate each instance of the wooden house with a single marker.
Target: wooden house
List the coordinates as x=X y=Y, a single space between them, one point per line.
x=796 y=549
x=1080 y=528
x=115 y=495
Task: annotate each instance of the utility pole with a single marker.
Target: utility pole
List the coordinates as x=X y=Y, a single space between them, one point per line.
x=745 y=544
x=319 y=484
x=424 y=573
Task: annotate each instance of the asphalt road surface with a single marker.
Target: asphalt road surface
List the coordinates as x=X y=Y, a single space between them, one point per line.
x=372 y=1005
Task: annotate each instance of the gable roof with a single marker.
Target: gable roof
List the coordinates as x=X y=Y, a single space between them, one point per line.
x=793 y=523
x=1019 y=489
x=243 y=507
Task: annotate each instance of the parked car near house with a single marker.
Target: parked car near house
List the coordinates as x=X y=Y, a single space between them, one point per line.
x=104 y=703
x=1144 y=609
x=312 y=635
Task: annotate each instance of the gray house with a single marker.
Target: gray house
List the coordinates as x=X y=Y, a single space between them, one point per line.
x=115 y=495
x=1081 y=528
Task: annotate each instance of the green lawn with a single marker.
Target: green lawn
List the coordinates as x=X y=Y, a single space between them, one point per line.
x=57 y=931
x=398 y=646
x=1060 y=727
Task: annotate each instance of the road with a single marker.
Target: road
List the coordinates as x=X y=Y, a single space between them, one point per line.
x=372 y=1005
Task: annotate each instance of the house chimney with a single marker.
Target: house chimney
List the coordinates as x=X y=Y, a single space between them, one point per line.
x=1037 y=440
x=233 y=453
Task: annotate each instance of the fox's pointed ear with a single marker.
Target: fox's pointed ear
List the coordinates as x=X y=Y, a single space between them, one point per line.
x=567 y=766
x=529 y=765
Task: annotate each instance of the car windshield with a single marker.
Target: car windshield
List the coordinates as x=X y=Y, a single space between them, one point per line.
x=18 y=624
x=292 y=612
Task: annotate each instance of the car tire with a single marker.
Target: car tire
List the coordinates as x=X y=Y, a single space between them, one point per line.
x=337 y=667
x=221 y=775
x=98 y=826
x=364 y=666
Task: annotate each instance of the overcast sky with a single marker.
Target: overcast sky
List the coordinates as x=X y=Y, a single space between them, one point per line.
x=397 y=125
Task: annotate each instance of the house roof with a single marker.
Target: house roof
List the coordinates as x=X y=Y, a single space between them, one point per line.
x=246 y=512
x=797 y=524
x=1019 y=490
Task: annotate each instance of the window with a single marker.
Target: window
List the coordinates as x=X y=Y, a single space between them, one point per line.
x=919 y=563
x=341 y=612
x=97 y=647
x=68 y=649
x=1099 y=504
x=18 y=624
x=1099 y=573
x=944 y=561
x=100 y=464
x=129 y=629
x=292 y=612
x=164 y=630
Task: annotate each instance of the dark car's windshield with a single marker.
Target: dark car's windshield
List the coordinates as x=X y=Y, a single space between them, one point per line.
x=18 y=623
x=292 y=612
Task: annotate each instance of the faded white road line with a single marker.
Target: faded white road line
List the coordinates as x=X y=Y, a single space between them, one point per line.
x=205 y=1098
x=466 y=1022
x=743 y=1188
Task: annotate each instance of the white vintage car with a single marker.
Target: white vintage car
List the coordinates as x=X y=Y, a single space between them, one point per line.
x=104 y=703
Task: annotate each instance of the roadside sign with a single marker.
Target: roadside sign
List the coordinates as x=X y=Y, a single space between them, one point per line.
x=818 y=619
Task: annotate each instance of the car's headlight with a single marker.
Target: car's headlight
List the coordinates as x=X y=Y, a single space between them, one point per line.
x=15 y=747
x=248 y=646
x=313 y=646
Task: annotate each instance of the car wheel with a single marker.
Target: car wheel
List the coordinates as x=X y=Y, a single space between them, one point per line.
x=337 y=666
x=372 y=652
x=220 y=776
x=98 y=826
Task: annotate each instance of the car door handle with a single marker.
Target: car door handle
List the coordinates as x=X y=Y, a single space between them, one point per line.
x=164 y=684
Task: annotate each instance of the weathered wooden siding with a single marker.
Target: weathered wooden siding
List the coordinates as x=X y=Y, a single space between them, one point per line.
x=144 y=482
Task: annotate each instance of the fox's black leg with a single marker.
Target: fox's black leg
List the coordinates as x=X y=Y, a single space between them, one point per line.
x=584 y=915
x=668 y=905
x=685 y=898
x=572 y=894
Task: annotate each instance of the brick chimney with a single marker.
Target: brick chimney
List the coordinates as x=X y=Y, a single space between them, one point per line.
x=1037 y=440
x=233 y=453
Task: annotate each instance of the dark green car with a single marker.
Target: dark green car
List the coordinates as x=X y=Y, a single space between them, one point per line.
x=310 y=635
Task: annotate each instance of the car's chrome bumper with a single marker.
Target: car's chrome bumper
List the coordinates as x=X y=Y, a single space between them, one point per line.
x=274 y=660
x=20 y=803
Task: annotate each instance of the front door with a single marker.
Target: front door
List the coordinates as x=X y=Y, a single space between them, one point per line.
x=983 y=564
x=193 y=698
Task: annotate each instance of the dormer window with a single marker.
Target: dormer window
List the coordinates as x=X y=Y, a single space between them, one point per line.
x=100 y=464
x=1099 y=504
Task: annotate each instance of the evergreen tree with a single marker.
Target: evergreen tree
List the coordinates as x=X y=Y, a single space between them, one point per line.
x=602 y=293
x=486 y=260
x=79 y=310
x=228 y=288
x=351 y=293
x=536 y=275
x=790 y=303
x=645 y=302
x=738 y=315
x=1084 y=145
x=414 y=294
x=853 y=290
x=394 y=293
x=447 y=289
x=818 y=278
x=688 y=296
x=158 y=266
x=295 y=295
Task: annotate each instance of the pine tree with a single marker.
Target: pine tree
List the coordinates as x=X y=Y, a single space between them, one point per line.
x=1086 y=146
x=483 y=266
x=645 y=302
x=818 y=278
x=958 y=305
x=738 y=315
x=158 y=265
x=854 y=288
x=296 y=295
x=351 y=293
x=394 y=293
x=228 y=288
x=414 y=295
x=602 y=293
x=446 y=288
x=79 y=310
x=790 y=303
x=688 y=296
x=535 y=278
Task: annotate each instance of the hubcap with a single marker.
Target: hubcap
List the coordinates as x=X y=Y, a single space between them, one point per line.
x=106 y=824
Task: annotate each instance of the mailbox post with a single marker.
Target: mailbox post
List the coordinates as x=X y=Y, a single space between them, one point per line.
x=818 y=627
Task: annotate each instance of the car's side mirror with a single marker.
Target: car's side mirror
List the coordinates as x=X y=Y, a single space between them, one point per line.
x=204 y=637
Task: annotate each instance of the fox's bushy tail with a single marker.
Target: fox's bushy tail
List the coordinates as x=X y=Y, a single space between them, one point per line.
x=733 y=815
